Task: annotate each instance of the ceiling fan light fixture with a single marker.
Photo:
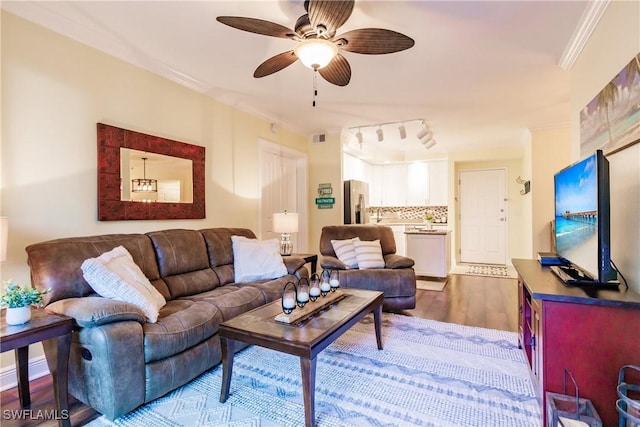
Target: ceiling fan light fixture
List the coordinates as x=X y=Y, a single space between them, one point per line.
x=315 y=53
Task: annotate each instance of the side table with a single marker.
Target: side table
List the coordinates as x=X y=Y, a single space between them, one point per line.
x=312 y=258
x=44 y=325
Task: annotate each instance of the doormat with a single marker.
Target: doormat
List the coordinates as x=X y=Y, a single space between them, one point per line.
x=488 y=270
x=431 y=284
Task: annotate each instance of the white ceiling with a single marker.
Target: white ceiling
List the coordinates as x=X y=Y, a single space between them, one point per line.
x=480 y=73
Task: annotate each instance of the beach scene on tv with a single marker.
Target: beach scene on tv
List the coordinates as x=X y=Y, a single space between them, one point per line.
x=576 y=192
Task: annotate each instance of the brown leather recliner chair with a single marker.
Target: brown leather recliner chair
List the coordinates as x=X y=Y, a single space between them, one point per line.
x=397 y=279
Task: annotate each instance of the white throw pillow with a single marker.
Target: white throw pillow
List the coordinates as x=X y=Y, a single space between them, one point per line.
x=369 y=254
x=345 y=251
x=114 y=275
x=256 y=259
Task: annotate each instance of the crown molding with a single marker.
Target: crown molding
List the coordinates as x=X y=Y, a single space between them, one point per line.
x=588 y=22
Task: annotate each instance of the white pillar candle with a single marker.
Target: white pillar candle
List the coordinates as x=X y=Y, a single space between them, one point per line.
x=325 y=286
x=288 y=303
x=335 y=283
x=303 y=296
x=314 y=292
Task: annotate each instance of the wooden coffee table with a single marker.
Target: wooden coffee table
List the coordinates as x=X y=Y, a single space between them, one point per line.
x=305 y=340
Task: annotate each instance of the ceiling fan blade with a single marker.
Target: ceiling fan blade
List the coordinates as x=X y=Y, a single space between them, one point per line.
x=373 y=41
x=337 y=72
x=331 y=14
x=275 y=63
x=257 y=26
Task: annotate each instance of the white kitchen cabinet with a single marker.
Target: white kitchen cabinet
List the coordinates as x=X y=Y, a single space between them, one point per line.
x=394 y=185
x=418 y=184
x=399 y=236
x=375 y=186
x=438 y=183
x=430 y=252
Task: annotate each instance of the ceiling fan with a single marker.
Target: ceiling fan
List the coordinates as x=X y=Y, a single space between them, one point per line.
x=317 y=44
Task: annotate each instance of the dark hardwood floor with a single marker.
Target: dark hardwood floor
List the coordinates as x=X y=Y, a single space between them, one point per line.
x=484 y=302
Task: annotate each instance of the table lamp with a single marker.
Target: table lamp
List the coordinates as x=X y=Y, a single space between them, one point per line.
x=285 y=223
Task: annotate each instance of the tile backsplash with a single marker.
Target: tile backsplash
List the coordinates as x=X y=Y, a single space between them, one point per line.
x=410 y=213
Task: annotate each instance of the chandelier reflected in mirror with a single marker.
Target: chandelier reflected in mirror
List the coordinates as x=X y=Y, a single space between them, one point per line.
x=144 y=183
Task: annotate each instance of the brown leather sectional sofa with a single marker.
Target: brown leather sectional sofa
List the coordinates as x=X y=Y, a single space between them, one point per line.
x=119 y=361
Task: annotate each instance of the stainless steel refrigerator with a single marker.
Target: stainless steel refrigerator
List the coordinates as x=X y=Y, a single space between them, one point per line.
x=356 y=200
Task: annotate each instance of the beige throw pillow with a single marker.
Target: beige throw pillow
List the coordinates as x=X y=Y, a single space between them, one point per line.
x=369 y=254
x=345 y=251
x=256 y=259
x=114 y=275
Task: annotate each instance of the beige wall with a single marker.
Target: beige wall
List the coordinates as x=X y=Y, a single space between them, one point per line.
x=550 y=152
x=612 y=45
x=325 y=166
x=55 y=90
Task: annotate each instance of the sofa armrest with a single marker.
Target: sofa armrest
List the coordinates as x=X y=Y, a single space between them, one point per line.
x=292 y=263
x=332 y=262
x=89 y=312
x=397 y=261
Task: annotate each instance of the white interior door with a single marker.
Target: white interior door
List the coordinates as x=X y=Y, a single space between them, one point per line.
x=282 y=187
x=483 y=216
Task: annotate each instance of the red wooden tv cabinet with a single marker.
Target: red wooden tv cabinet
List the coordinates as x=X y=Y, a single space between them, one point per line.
x=591 y=332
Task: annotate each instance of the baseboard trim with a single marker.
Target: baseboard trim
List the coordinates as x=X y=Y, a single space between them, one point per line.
x=37 y=368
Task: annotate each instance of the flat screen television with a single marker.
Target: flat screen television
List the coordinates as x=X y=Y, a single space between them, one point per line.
x=582 y=221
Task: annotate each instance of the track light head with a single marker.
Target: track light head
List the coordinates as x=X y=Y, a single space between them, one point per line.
x=403 y=131
x=424 y=132
x=380 y=134
x=359 y=136
x=430 y=143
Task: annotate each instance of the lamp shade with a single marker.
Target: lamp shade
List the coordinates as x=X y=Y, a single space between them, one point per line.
x=315 y=53
x=285 y=222
x=4 y=232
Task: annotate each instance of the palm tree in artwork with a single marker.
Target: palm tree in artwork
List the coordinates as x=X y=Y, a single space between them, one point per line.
x=607 y=96
x=632 y=70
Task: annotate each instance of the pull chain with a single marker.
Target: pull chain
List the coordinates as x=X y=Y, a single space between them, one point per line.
x=315 y=86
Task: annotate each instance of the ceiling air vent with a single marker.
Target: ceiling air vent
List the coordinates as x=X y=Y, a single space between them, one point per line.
x=319 y=138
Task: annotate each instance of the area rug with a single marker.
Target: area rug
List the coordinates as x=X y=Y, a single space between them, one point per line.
x=429 y=374
x=489 y=270
x=431 y=284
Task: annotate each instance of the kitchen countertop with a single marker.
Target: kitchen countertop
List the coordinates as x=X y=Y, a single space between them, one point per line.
x=432 y=231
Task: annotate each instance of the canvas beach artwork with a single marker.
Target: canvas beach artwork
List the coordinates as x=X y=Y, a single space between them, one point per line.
x=611 y=121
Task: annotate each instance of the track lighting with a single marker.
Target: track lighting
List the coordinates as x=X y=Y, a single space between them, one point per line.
x=380 y=134
x=359 y=136
x=403 y=131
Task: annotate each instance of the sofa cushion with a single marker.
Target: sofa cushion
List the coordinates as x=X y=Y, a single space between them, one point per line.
x=114 y=275
x=369 y=254
x=183 y=262
x=181 y=325
x=346 y=251
x=231 y=300
x=220 y=250
x=256 y=259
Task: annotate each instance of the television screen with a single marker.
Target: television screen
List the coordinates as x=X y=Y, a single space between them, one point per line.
x=576 y=201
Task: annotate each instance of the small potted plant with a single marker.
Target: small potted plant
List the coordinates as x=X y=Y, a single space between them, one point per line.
x=19 y=300
x=428 y=218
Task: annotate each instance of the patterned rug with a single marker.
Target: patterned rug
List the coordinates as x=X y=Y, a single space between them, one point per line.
x=429 y=374
x=485 y=270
